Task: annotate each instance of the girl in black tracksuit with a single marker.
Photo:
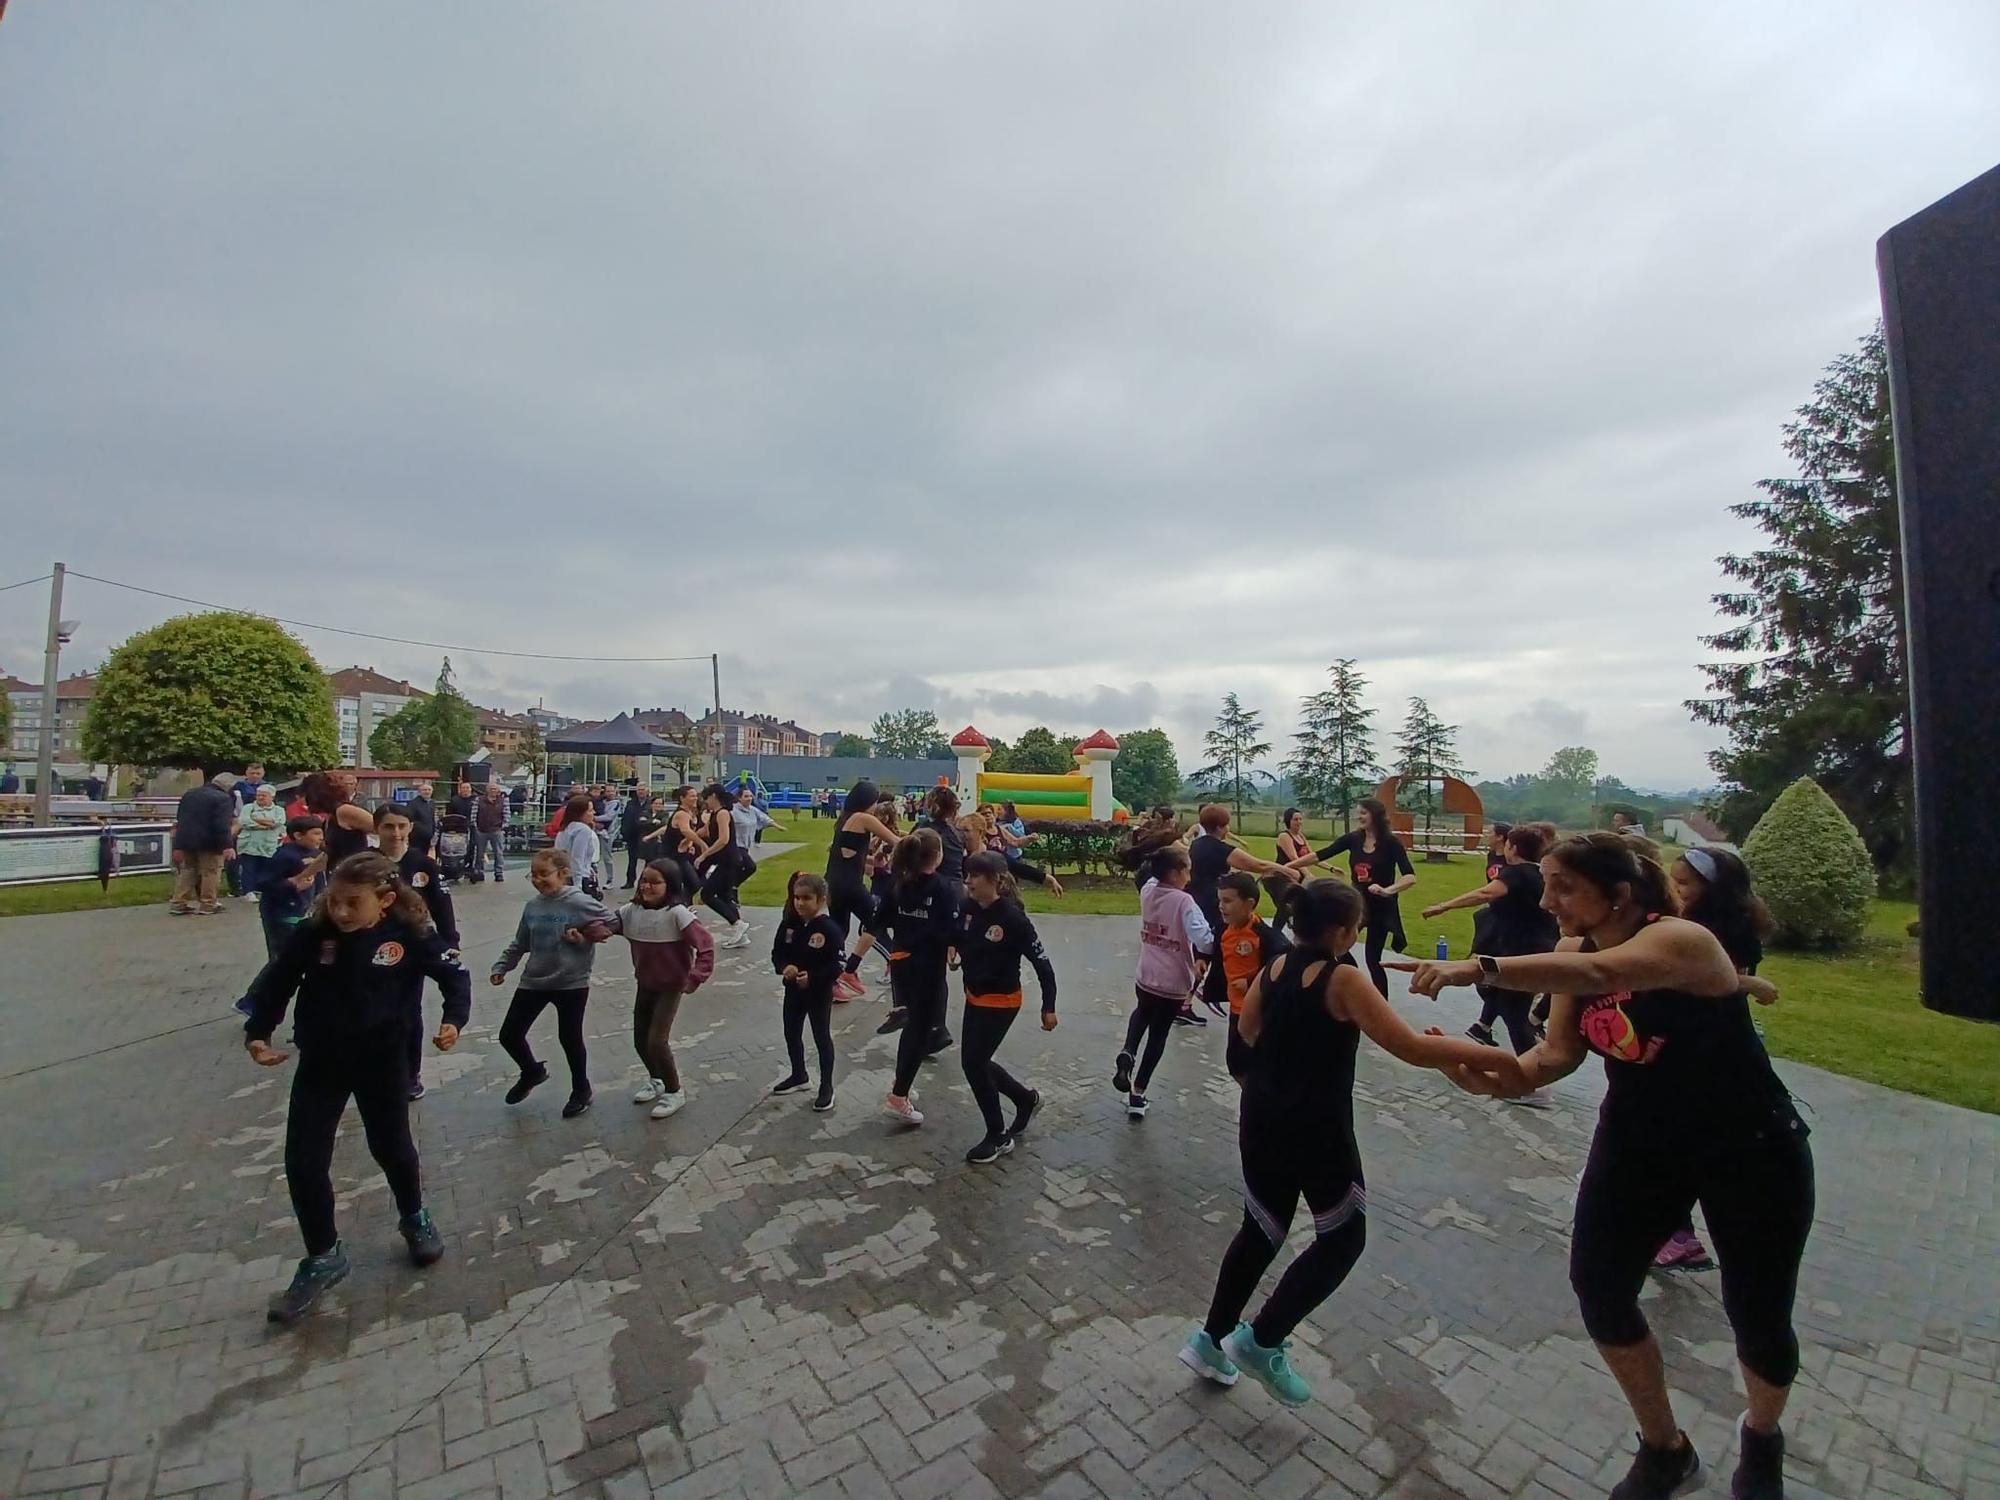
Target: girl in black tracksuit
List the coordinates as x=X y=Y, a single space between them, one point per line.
x=994 y=936
x=357 y=966
x=806 y=954
x=921 y=931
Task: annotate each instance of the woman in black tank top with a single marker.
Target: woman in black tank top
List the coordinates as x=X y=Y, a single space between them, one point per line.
x=1693 y=1112
x=848 y=895
x=1303 y=1018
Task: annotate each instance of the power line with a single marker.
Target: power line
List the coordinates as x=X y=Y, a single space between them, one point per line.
x=366 y=635
x=46 y=576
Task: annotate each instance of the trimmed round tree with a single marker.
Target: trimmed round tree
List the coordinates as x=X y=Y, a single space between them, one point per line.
x=1811 y=868
x=213 y=692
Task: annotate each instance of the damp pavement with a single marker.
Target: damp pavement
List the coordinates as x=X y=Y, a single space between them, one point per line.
x=754 y=1299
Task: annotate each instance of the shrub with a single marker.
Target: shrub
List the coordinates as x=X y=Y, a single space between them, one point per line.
x=1070 y=844
x=1811 y=868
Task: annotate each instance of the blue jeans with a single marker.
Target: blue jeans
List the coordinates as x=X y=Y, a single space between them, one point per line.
x=247 y=872
x=483 y=840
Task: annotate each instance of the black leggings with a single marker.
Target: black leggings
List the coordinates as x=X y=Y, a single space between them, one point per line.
x=1755 y=1188
x=526 y=1008
x=1152 y=1018
x=1385 y=921
x=1236 y=1056
x=812 y=1003
x=847 y=903
x=1282 y=1162
x=1511 y=1006
x=918 y=985
x=374 y=1077
x=726 y=874
x=1027 y=874
x=980 y=1033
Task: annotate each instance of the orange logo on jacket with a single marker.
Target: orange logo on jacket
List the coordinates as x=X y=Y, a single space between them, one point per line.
x=387 y=956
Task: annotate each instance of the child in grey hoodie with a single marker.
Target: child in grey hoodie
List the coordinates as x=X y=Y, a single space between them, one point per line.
x=558 y=974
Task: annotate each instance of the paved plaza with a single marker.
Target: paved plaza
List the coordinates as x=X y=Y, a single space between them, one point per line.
x=750 y=1298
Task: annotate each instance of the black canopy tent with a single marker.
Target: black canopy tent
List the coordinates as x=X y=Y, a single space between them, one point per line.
x=619 y=736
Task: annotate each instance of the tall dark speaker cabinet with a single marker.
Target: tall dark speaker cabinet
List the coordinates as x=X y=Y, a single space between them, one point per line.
x=1940 y=274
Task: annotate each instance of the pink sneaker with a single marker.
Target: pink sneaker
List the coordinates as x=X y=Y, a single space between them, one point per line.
x=1683 y=1251
x=847 y=987
x=896 y=1107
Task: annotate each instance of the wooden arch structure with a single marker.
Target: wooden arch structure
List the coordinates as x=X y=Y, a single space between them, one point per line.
x=1459 y=800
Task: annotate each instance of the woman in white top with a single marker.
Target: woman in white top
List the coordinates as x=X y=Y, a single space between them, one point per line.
x=577 y=837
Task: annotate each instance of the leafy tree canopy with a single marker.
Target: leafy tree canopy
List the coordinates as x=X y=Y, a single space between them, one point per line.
x=911 y=733
x=1145 y=773
x=213 y=692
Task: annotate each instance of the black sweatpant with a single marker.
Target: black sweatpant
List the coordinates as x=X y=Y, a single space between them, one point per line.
x=1236 y=1055
x=653 y=1012
x=726 y=874
x=1512 y=1007
x=1755 y=1187
x=526 y=1008
x=917 y=984
x=1283 y=1161
x=981 y=1031
x=814 y=1003
x=633 y=860
x=1385 y=924
x=1152 y=1018
x=371 y=1072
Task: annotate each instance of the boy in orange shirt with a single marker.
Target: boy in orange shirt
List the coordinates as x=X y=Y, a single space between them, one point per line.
x=1244 y=949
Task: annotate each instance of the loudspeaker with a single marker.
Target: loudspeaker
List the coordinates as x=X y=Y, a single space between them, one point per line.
x=1940 y=274
x=560 y=778
x=478 y=772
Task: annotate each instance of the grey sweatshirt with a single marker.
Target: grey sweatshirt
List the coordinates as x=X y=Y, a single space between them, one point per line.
x=552 y=963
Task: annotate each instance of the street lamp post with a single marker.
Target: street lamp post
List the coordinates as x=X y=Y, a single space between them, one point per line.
x=60 y=630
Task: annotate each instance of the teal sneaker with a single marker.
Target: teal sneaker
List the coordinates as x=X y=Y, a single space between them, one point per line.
x=1268 y=1367
x=1204 y=1356
x=315 y=1275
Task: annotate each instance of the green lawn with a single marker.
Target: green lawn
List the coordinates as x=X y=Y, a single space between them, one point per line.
x=1856 y=1013
x=83 y=895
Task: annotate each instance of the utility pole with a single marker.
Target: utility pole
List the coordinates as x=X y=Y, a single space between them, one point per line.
x=715 y=678
x=45 y=757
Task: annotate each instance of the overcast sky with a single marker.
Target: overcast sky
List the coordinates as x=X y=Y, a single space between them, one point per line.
x=1035 y=363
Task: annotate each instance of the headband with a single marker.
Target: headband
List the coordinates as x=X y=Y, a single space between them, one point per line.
x=1701 y=862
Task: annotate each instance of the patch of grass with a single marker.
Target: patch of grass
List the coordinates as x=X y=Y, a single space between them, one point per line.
x=84 y=895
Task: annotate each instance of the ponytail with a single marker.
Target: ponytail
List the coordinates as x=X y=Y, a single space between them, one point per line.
x=914 y=856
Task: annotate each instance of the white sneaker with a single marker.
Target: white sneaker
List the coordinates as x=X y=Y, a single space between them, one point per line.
x=739 y=937
x=1542 y=1098
x=902 y=1110
x=670 y=1103
x=649 y=1091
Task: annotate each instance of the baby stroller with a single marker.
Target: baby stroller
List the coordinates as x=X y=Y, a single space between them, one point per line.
x=454 y=846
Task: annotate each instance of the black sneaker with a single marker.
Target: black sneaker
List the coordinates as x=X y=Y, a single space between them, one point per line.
x=420 y=1232
x=1760 y=1466
x=940 y=1039
x=1121 y=1080
x=316 y=1273
x=1136 y=1106
x=527 y=1083
x=1187 y=1015
x=416 y=1090
x=577 y=1104
x=991 y=1149
x=1481 y=1033
x=791 y=1083
x=1659 y=1473
x=894 y=1022
x=823 y=1101
x=1023 y=1113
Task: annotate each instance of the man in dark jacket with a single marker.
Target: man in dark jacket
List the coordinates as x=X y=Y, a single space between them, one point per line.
x=461 y=801
x=204 y=833
x=423 y=818
x=489 y=832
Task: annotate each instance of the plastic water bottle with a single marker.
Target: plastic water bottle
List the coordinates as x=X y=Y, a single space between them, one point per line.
x=1444 y=950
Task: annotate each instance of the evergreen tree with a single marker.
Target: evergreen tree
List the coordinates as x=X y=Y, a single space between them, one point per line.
x=1234 y=745
x=1813 y=684
x=1426 y=754
x=429 y=733
x=1335 y=755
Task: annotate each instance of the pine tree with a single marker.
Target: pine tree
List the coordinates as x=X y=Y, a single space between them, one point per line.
x=1335 y=758
x=1815 y=682
x=1234 y=744
x=1426 y=754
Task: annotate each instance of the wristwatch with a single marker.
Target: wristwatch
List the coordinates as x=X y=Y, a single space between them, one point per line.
x=1489 y=967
